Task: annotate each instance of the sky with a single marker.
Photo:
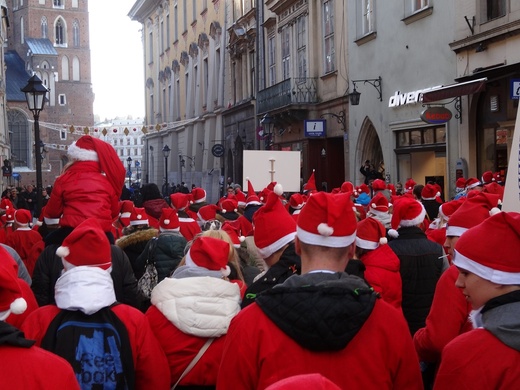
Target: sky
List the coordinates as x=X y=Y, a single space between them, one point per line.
x=117 y=60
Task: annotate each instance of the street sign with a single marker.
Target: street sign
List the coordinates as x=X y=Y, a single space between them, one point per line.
x=218 y=150
x=515 y=89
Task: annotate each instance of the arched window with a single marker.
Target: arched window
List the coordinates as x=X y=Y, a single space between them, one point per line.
x=75 y=33
x=60 y=32
x=19 y=138
x=64 y=68
x=75 y=69
x=44 y=27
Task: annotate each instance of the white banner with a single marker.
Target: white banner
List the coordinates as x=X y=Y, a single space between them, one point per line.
x=511 y=200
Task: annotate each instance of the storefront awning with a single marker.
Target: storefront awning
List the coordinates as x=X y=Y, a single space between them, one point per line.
x=455 y=90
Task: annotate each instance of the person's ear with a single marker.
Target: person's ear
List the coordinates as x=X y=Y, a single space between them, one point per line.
x=297 y=246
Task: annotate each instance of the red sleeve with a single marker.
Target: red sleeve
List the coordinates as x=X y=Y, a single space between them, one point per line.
x=54 y=207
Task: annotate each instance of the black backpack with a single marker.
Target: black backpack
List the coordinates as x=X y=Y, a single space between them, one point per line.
x=97 y=346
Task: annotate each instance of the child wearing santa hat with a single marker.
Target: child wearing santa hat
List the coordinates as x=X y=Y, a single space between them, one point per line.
x=489 y=276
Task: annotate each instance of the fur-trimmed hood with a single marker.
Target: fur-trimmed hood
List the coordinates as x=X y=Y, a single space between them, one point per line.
x=136 y=237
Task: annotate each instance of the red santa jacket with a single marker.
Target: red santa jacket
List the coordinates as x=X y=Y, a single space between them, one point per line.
x=447 y=319
x=80 y=193
x=380 y=356
x=22 y=240
x=150 y=364
x=382 y=273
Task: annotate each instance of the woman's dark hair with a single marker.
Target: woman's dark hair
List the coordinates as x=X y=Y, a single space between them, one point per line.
x=150 y=191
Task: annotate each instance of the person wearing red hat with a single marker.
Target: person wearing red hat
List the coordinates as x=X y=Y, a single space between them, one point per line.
x=25 y=366
x=123 y=220
x=421 y=260
x=409 y=186
x=191 y=311
x=310 y=187
x=153 y=202
x=489 y=277
x=90 y=186
x=199 y=199
x=429 y=196
x=274 y=232
x=379 y=209
x=23 y=238
x=473 y=184
x=322 y=320
x=187 y=218
x=487 y=177
x=296 y=203
x=85 y=288
x=228 y=210
x=381 y=263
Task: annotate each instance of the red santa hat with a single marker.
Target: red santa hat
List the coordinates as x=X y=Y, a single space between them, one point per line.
x=87 y=245
x=407 y=212
x=229 y=205
x=11 y=299
x=379 y=204
x=241 y=198
x=487 y=177
x=409 y=185
x=472 y=182
x=264 y=194
x=199 y=195
x=447 y=209
x=22 y=217
x=378 y=185
x=296 y=201
x=429 y=192
x=179 y=201
x=169 y=221
x=494 y=188
x=304 y=382
x=473 y=211
x=460 y=184
x=273 y=226
x=251 y=198
x=327 y=220
x=208 y=212
x=9 y=215
x=347 y=186
x=363 y=188
x=497 y=260
x=233 y=231
x=311 y=183
x=370 y=234
x=88 y=148
x=498 y=177
x=209 y=253
x=6 y=204
x=391 y=188
x=138 y=216
x=126 y=207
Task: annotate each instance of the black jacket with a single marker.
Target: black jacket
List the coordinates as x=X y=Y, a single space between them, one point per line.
x=49 y=266
x=421 y=267
x=288 y=265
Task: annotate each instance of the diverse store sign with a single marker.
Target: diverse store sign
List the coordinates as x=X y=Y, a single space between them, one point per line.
x=436 y=115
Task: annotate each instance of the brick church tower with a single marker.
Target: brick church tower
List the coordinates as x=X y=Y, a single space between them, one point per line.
x=51 y=39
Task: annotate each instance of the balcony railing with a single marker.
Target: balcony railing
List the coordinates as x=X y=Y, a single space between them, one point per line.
x=291 y=91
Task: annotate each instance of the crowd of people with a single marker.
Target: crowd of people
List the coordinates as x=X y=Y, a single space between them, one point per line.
x=367 y=286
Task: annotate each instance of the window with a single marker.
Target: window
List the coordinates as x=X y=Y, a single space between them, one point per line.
x=74 y=3
x=18 y=137
x=44 y=27
x=421 y=137
x=206 y=78
x=286 y=52
x=58 y=3
x=175 y=23
x=75 y=33
x=271 y=60
x=301 y=42
x=161 y=40
x=59 y=32
x=64 y=68
x=63 y=135
x=185 y=16
x=75 y=69
x=164 y=101
x=167 y=31
x=62 y=100
x=492 y=9
x=418 y=5
x=22 y=32
x=252 y=59
x=328 y=35
x=150 y=47
x=367 y=17
x=194 y=9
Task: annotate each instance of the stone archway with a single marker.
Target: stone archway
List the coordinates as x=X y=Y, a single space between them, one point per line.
x=368 y=148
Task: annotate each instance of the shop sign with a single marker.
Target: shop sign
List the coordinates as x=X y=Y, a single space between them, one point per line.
x=218 y=150
x=436 y=115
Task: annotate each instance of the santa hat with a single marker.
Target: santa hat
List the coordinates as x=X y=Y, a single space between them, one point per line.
x=88 y=148
x=296 y=201
x=363 y=188
x=498 y=177
x=264 y=194
x=378 y=185
x=494 y=188
x=209 y=253
x=460 y=184
x=379 y=204
x=233 y=231
x=472 y=182
x=327 y=220
x=11 y=299
x=370 y=234
x=251 y=198
x=199 y=195
x=126 y=207
x=407 y=212
x=409 y=185
x=138 y=217
x=391 y=188
x=311 y=183
x=429 y=192
x=9 y=215
x=241 y=197
x=487 y=177
x=273 y=226
x=348 y=187
x=208 y=212
x=271 y=185
x=447 y=209
x=497 y=260
x=179 y=201
x=169 y=221
x=473 y=211
x=229 y=205
x=87 y=245
x=22 y=217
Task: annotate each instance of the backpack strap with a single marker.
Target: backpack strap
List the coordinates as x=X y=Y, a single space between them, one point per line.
x=194 y=361
x=151 y=251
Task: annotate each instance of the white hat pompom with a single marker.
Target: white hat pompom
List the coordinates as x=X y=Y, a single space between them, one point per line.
x=278 y=189
x=226 y=271
x=18 y=306
x=166 y=221
x=242 y=238
x=62 y=251
x=393 y=233
x=494 y=210
x=383 y=241
x=325 y=230
x=224 y=211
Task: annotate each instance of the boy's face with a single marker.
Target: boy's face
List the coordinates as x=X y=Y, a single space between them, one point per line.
x=476 y=289
x=449 y=244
